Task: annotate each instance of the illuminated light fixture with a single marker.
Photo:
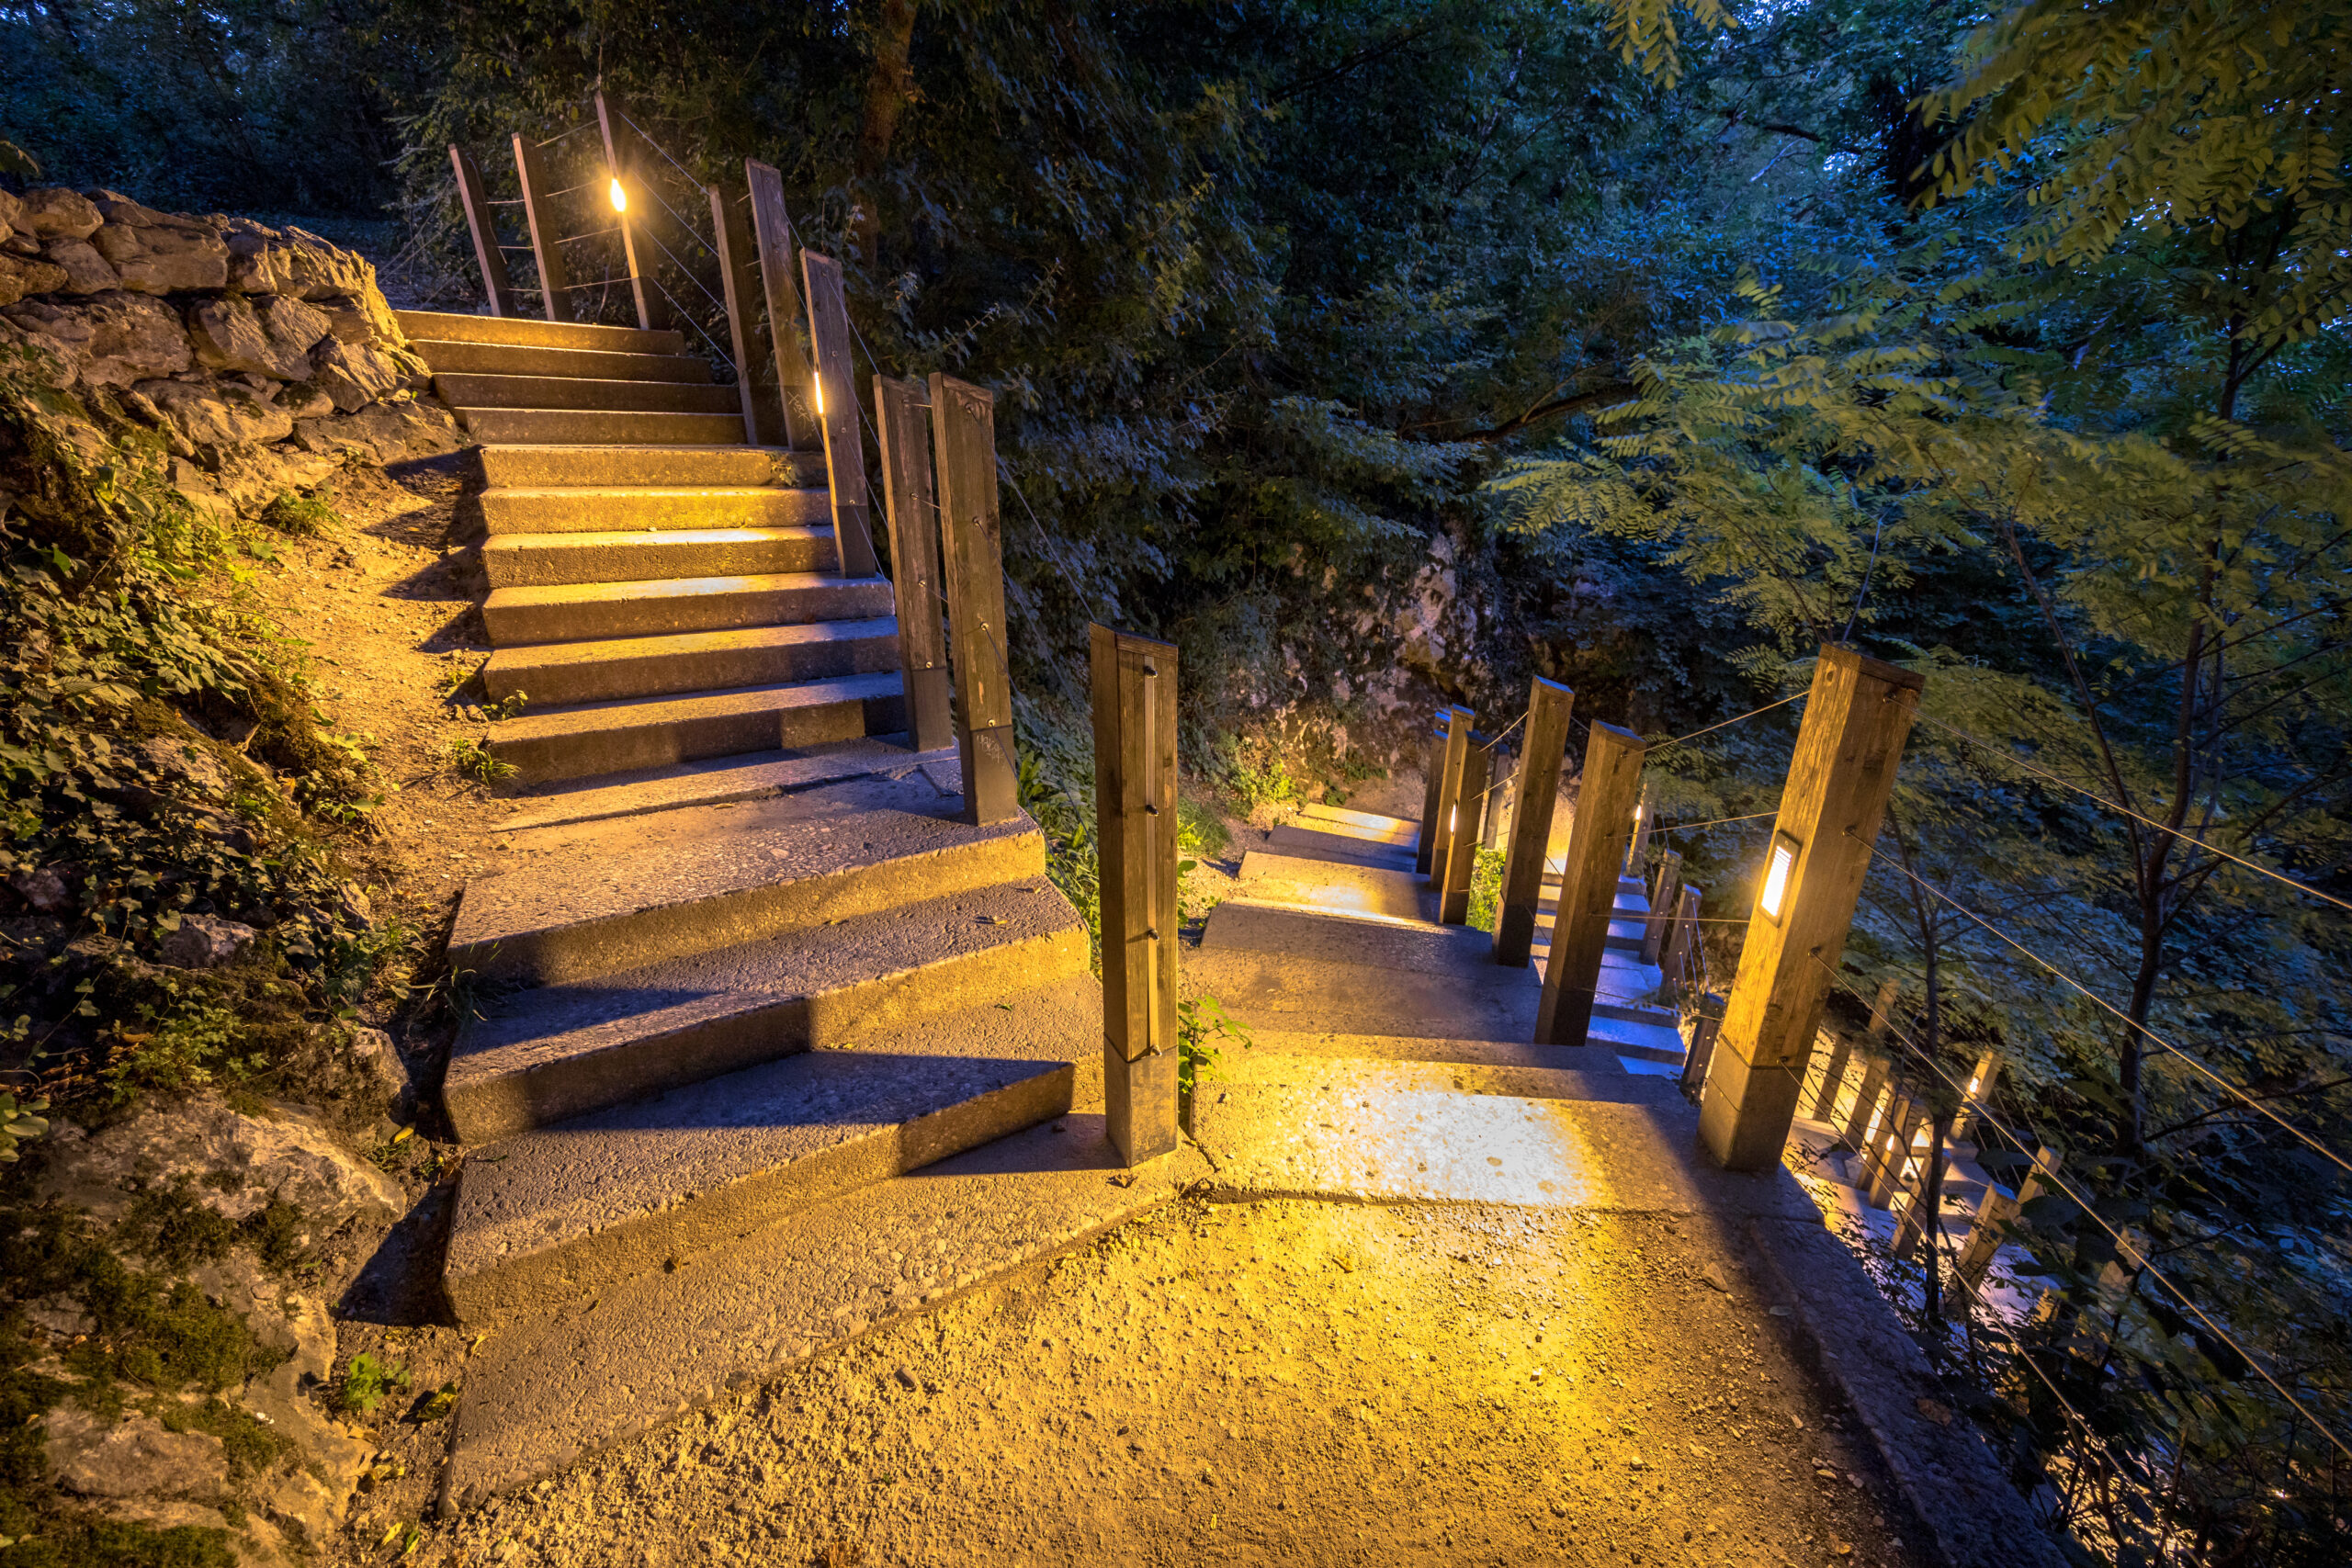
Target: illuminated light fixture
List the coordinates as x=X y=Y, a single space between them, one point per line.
x=1778 y=873
x=1972 y=1083
x=620 y=195
x=817 y=392
x=1452 y=818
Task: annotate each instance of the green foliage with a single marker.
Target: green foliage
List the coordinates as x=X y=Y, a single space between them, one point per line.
x=1056 y=783
x=440 y=1403
x=1201 y=831
x=1200 y=1024
x=369 y=1382
x=191 y=1050
x=469 y=758
x=305 y=517
x=1250 y=766
x=1486 y=888
x=20 y=1121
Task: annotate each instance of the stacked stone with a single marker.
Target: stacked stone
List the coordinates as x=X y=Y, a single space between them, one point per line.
x=261 y=355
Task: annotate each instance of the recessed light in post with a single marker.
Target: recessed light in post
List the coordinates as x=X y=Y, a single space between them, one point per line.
x=1780 y=871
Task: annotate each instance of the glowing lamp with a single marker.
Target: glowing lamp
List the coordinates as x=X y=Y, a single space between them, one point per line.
x=620 y=197
x=1452 y=818
x=1778 y=873
x=1972 y=1083
x=817 y=394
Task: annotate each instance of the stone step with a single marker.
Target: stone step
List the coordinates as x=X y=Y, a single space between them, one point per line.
x=1562 y=1074
x=1646 y=1041
x=650 y=509
x=542 y=561
x=559 y=466
x=1286 y=992
x=554 y=1052
x=1347 y=936
x=596 y=427
x=691 y=662
x=725 y=780
x=585 y=364
x=1269 y=877
x=646 y=1352
x=442 y=326
x=654 y=732
x=472 y=391
x=1371 y=824
x=594 y=897
x=1292 y=839
x=577 y=612
x=561 y=1215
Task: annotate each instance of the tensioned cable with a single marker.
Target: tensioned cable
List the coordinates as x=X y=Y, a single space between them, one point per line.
x=2129 y=1250
x=2225 y=1085
x=687 y=316
x=591 y=234
x=1751 y=713
x=2102 y=801
x=657 y=146
x=583 y=125
x=1713 y=822
x=698 y=282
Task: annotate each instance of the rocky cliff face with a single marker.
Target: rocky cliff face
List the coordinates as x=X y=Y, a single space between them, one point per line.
x=262 y=356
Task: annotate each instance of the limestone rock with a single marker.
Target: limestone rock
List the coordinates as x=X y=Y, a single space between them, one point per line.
x=429 y=429
x=48 y=889
x=111 y=340
x=205 y=941
x=376 y=1059
x=21 y=275
x=12 y=207
x=296 y=327
x=166 y=255
x=305 y=399
x=354 y=374
x=47 y=214
x=218 y=417
x=135 y=1457
x=287 y=1155
x=229 y=334
x=184 y=766
x=86 y=272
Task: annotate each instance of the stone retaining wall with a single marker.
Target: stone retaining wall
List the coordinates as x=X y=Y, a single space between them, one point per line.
x=263 y=356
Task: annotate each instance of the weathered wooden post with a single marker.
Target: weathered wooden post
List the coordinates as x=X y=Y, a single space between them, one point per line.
x=1979 y=1090
x=1134 y=812
x=903 y=420
x=1862 y=1117
x=1502 y=784
x=620 y=172
x=1856 y=719
x=1883 y=1009
x=1833 y=1079
x=1434 y=790
x=486 y=252
x=1637 y=852
x=555 y=279
x=1698 y=1045
x=1997 y=1211
x=730 y=222
x=796 y=382
x=1460 y=845
x=1666 y=896
x=1447 y=814
x=1596 y=841
x=1890 y=1151
x=963 y=425
x=836 y=394
x=1679 y=963
x=1535 y=791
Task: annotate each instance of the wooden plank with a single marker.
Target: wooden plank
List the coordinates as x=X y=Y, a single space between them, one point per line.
x=1432 y=785
x=1596 y=841
x=1666 y=893
x=1461 y=843
x=730 y=221
x=1537 y=791
x=1861 y=1117
x=837 y=414
x=903 y=410
x=1134 y=690
x=1679 y=963
x=487 y=254
x=1856 y=719
x=1502 y=784
x=963 y=426
x=620 y=145
x=1890 y=1152
x=555 y=282
x=796 y=383
x=1833 y=1079
x=1448 y=812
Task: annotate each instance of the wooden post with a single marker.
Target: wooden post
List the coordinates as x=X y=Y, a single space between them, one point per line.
x=731 y=222
x=914 y=559
x=1503 y=787
x=796 y=383
x=1861 y=1119
x=491 y=259
x=1134 y=812
x=1680 y=962
x=963 y=425
x=1447 y=814
x=1666 y=896
x=1637 y=852
x=1535 y=791
x=1856 y=720
x=1596 y=842
x=1996 y=1212
x=837 y=414
x=555 y=281
x=1432 y=791
x=612 y=125
x=1461 y=843
x=1833 y=1079
x=1883 y=1009
x=1890 y=1151
x=1701 y=1046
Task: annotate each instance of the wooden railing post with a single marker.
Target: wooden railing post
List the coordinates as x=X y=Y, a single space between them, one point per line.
x=796 y=383
x=618 y=166
x=1432 y=831
x=963 y=425
x=1502 y=788
x=1996 y=1212
x=837 y=415
x=762 y=411
x=1534 y=794
x=1856 y=719
x=1460 y=845
x=1447 y=810
x=1833 y=1079
x=903 y=419
x=1637 y=852
x=1679 y=963
x=1862 y=1117
x=1890 y=1151
x=555 y=280
x=1665 y=893
x=1133 y=681
x=1597 y=841
x=486 y=254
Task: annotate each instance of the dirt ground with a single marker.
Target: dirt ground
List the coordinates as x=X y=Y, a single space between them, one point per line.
x=1278 y=1382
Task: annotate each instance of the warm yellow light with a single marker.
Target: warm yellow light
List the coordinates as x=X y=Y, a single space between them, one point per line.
x=620 y=197
x=1775 y=877
x=1452 y=818
x=1972 y=1083
x=1638 y=807
x=817 y=392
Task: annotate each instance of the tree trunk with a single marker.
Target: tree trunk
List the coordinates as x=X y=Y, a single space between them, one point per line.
x=889 y=91
x=1929 y=1213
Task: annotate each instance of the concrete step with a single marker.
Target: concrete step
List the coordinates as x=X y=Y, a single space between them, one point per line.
x=1370 y=824
x=1644 y=1041
x=591 y=898
x=692 y=662
x=558 y=467
x=726 y=780
x=555 y=1052
x=1268 y=877
x=654 y=732
x=564 y=1213
x=1346 y=936
x=647 y=1351
x=541 y=560
x=1562 y=1074
x=585 y=364
x=1285 y=991
x=571 y=392
x=650 y=509
x=578 y=612
x=585 y=427
x=1292 y=839
x=442 y=326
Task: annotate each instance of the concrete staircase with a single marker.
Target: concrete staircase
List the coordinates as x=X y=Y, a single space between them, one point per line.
x=660 y=592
